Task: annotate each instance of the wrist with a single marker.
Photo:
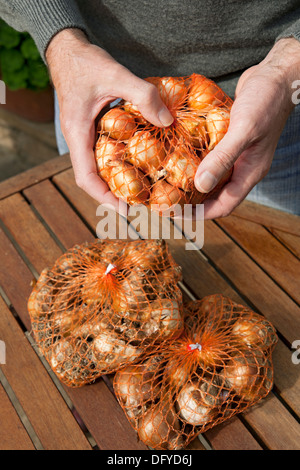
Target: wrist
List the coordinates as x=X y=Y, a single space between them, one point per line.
x=63 y=42
x=285 y=56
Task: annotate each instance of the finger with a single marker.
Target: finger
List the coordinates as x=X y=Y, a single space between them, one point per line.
x=80 y=141
x=247 y=173
x=146 y=97
x=217 y=163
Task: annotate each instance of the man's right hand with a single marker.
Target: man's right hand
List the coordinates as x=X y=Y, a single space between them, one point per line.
x=86 y=79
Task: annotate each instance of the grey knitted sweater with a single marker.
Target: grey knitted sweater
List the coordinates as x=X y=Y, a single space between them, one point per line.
x=217 y=38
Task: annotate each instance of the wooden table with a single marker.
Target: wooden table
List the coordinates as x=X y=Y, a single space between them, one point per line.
x=251 y=256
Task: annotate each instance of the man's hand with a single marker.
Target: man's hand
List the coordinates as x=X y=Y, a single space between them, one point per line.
x=262 y=105
x=86 y=79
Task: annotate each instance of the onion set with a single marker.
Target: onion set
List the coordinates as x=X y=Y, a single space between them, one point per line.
x=156 y=166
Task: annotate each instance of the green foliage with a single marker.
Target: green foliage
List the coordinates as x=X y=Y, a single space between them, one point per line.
x=21 y=65
x=29 y=49
x=9 y=38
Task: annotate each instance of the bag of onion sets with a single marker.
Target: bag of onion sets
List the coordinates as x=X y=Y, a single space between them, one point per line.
x=103 y=305
x=145 y=164
x=221 y=365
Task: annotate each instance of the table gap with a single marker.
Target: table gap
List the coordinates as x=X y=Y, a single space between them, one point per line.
x=44 y=223
x=254 y=433
x=74 y=208
x=20 y=252
x=257 y=264
x=276 y=392
x=20 y=412
x=281 y=242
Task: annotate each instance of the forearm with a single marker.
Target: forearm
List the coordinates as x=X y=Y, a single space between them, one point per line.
x=43 y=19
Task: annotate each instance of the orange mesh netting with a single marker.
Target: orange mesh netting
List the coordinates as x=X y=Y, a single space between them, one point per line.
x=103 y=305
x=145 y=164
x=221 y=365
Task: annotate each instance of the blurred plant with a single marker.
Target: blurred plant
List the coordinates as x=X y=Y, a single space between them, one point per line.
x=20 y=62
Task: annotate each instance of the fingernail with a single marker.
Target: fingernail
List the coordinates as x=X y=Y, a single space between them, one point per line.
x=206 y=182
x=165 y=117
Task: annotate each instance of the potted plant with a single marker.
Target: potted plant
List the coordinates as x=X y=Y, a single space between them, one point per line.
x=28 y=90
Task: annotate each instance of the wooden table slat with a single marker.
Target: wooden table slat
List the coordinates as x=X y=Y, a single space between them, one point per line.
x=29 y=232
x=47 y=412
x=58 y=214
x=13 y=435
x=280 y=264
x=268 y=216
x=34 y=175
x=290 y=240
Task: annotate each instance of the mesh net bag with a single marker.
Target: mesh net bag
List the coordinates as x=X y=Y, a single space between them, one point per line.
x=220 y=366
x=103 y=305
x=145 y=164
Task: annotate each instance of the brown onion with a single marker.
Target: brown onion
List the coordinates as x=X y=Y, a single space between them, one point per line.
x=131 y=293
x=164 y=196
x=204 y=94
x=172 y=91
x=254 y=330
x=181 y=167
x=177 y=374
x=110 y=351
x=146 y=152
x=128 y=183
x=197 y=402
x=135 y=386
x=243 y=370
x=263 y=384
x=159 y=428
x=118 y=124
x=162 y=318
x=217 y=123
x=107 y=150
x=196 y=130
x=154 y=257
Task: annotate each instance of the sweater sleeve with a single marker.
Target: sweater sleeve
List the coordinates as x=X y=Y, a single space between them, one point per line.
x=291 y=31
x=42 y=19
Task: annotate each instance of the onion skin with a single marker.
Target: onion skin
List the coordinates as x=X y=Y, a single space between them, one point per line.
x=181 y=167
x=193 y=405
x=146 y=152
x=163 y=318
x=132 y=109
x=128 y=183
x=172 y=91
x=195 y=128
x=152 y=256
x=41 y=298
x=130 y=294
x=204 y=94
x=165 y=196
x=243 y=370
x=254 y=330
x=135 y=386
x=159 y=428
x=110 y=351
x=106 y=151
x=118 y=124
x=217 y=123
x=177 y=374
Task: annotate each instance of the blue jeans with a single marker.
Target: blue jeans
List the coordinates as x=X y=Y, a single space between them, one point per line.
x=280 y=189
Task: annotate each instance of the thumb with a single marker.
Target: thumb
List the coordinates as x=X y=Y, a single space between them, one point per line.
x=145 y=96
x=220 y=160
